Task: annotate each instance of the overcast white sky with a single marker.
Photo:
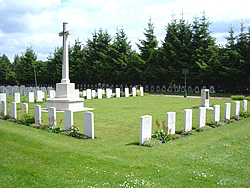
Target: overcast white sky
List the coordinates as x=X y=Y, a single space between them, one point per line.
x=36 y=23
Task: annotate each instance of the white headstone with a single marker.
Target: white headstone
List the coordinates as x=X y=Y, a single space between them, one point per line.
x=108 y=93
x=88 y=118
x=24 y=108
x=3 y=106
x=146 y=128
x=77 y=93
x=99 y=93
x=93 y=93
x=43 y=95
x=2 y=97
x=134 y=92
x=216 y=113
x=205 y=97
x=202 y=117
x=84 y=93
x=244 y=105
x=68 y=119
x=37 y=113
x=52 y=116
x=13 y=110
x=117 y=92
x=88 y=93
x=142 y=92
x=227 y=111
x=31 y=97
x=187 y=120
x=17 y=97
x=52 y=93
x=170 y=123
x=237 y=109
x=126 y=92
x=39 y=96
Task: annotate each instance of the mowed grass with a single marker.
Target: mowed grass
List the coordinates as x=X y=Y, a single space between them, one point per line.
x=36 y=158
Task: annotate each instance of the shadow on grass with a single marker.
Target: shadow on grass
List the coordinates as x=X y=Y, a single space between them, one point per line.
x=133 y=143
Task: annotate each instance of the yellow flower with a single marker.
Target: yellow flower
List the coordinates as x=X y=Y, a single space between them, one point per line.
x=104 y=171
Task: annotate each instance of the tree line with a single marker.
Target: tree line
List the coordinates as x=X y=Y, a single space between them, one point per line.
x=106 y=59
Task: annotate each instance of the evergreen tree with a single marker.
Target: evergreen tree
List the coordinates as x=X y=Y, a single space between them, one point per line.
x=97 y=57
x=120 y=50
x=149 y=54
x=5 y=70
x=25 y=67
x=202 y=49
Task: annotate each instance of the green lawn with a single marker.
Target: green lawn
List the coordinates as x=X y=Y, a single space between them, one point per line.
x=36 y=158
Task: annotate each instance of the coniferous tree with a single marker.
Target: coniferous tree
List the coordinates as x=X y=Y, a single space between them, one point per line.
x=149 y=54
x=25 y=67
x=5 y=70
x=97 y=57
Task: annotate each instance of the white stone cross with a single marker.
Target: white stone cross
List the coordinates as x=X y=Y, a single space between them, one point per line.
x=65 y=59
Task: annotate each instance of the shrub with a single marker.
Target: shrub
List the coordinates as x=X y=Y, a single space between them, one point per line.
x=245 y=114
x=55 y=129
x=122 y=94
x=162 y=136
x=238 y=97
x=138 y=92
x=247 y=98
x=73 y=131
x=27 y=119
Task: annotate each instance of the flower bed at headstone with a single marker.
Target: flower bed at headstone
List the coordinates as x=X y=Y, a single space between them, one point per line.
x=30 y=121
x=161 y=137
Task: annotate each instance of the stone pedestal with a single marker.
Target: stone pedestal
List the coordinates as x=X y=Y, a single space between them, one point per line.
x=65 y=98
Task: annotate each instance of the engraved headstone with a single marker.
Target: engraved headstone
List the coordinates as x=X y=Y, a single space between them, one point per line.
x=134 y=92
x=88 y=93
x=52 y=116
x=216 y=113
x=39 y=96
x=68 y=119
x=187 y=120
x=227 y=111
x=31 y=97
x=237 y=109
x=89 y=124
x=141 y=90
x=146 y=128
x=202 y=117
x=13 y=110
x=17 y=97
x=170 y=123
x=244 y=105
x=205 y=98
x=24 y=108
x=3 y=108
x=37 y=113
x=99 y=93
x=126 y=92
x=117 y=92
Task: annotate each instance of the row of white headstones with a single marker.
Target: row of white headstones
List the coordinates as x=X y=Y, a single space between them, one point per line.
x=146 y=121
x=88 y=117
x=88 y=93
x=92 y=93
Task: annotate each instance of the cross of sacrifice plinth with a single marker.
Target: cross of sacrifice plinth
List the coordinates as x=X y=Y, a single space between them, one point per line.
x=65 y=59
